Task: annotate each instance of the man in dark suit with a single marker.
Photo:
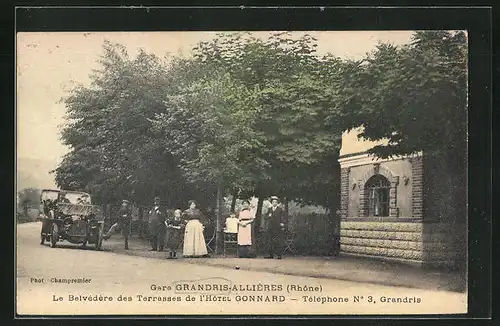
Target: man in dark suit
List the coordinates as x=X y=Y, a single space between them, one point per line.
x=123 y=223
x=274 y=225
x=157 y=226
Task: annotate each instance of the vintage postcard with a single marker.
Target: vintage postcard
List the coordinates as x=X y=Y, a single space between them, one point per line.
x=241 y=173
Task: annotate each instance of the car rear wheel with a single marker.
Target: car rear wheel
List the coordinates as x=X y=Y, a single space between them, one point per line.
x=54 y=236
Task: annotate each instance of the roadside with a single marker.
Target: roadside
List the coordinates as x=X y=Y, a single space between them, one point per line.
x=352 y=269
x=30 y=215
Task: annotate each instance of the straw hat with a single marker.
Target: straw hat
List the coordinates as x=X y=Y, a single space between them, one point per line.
x=275 y=198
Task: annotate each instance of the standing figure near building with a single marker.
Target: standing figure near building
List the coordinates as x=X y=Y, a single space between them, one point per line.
x=123 y=222
x=157 y=226
x=273 y=225
x=194 y=240
x=173 y=234
x=246 y=217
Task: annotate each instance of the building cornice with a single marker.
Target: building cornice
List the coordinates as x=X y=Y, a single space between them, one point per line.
x=364 y=158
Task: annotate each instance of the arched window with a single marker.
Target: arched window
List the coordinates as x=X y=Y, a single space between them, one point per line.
x=377 y=189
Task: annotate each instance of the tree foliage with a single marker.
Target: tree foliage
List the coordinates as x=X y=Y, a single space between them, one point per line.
x=28 y=197
x=414 y=96
x=115 y=153
x=259 y=108
x=261 y=117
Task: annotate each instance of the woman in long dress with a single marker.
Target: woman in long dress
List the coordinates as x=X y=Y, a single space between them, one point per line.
x=194 y=241
x=246 y=218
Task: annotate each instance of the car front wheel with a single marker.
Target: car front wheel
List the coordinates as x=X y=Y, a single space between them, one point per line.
x=54 y=237
x=99 y=237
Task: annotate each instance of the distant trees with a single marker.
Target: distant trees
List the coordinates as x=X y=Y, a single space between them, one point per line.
x=28 y=197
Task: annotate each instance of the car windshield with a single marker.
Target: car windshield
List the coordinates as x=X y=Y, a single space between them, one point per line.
x=72 y=197
x=77 y=198
x=49 y=195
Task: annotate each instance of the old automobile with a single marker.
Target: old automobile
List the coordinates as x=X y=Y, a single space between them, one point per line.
x=70 y=216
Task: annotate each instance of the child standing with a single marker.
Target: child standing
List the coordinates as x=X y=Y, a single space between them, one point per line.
x=173 y=234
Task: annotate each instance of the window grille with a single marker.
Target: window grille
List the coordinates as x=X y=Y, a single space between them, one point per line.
x=378 y=189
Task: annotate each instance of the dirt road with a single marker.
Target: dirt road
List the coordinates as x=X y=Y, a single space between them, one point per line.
x=69 y=280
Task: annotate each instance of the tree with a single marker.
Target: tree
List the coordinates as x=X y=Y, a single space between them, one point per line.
x=114 y=152
x=249 y=114
x=287 y=97
x=413 y=96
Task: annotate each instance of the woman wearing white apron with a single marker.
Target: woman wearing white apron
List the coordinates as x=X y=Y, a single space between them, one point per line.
x=246 y=218
x=194 y=241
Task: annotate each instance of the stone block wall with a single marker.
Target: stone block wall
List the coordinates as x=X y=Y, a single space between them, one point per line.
x=424 y=244
x=402 y=241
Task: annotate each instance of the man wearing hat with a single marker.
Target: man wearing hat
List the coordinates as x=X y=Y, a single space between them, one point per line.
x=273 y=225
x=157 y=226
x=123 y=223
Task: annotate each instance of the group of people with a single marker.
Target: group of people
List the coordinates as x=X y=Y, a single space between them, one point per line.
x=187 y=227
x=273 y=226
x=165 y=230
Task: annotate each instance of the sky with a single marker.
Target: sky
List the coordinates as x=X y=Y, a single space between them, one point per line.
x=48 y=64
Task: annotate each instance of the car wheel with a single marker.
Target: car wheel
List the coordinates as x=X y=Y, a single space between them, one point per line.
x=54 y=236
x=100 y=235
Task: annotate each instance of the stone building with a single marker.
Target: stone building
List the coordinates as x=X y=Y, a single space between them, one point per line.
x=401 y=209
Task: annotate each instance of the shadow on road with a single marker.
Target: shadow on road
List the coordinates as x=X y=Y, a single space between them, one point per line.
x=76 y=246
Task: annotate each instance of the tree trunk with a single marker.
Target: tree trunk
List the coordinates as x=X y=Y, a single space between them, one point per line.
x=285 y=204
x=258 y=212
x=233 y=201
x=257 y=224
x=287 y=216
x=334 y=215
x=219 y=223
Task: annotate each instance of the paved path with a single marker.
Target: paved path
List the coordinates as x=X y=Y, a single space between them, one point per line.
x=114 y=276
x=340 y=268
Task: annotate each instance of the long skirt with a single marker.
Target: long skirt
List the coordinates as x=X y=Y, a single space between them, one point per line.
x=194 y=241
x=245 y=235
x=246 y=241
x=173 y=239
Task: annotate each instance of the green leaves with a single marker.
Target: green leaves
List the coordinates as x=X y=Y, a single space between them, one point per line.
x=262 y=116
x=248 y=112
x=411 y=93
